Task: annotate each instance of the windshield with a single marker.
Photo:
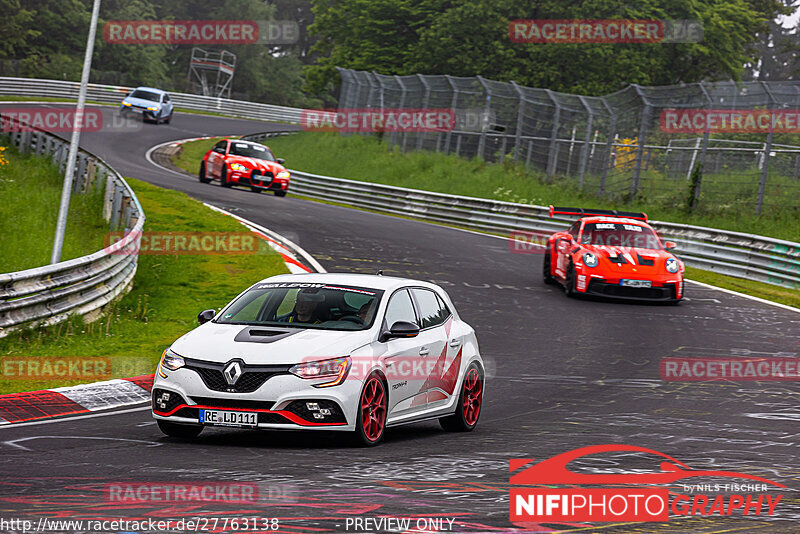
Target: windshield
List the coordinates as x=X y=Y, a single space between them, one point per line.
x=620 y=235
x=249 y=150
x=303 y=305
x=146 y=95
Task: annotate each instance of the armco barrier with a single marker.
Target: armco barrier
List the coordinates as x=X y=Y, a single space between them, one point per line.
x=82 y=285
x=113 y=94
x=752 y=257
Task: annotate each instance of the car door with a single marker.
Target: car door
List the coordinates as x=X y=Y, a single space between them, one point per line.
x=216 y=159
x=441 y=365
x=403 y=358
x=563 y=246
x=167 y=106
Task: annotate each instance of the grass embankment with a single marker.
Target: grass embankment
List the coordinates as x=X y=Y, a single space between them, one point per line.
x=169 y=291
x=367 y=159
x=30 y=193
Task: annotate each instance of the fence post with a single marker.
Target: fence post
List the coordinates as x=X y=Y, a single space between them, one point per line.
x=586 y=141
x=637 y=169
x=425 y=103
x=609 y=145
x=520 y=115
x=453 y=104
x=762 y=184
x=402 y=104
x=487 y=110
x=552 y=156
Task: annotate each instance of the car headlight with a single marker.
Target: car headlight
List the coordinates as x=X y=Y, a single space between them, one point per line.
x=673 y=265
x=590 y=260
x=152 y=109
x=336 y=369
x=238 y=167
x=172 y=361
x=283 y=175
x=127 y=104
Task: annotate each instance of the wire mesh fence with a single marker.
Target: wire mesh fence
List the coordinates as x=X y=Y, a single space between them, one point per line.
x=713 y=145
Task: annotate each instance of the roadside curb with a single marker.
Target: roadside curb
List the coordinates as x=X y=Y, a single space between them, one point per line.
x=116 y=393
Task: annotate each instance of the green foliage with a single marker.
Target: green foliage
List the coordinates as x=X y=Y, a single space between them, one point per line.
x=471 y=37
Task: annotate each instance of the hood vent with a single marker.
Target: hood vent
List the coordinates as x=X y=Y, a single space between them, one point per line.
x=254 y=334
x=644 y=261
x=617 y=259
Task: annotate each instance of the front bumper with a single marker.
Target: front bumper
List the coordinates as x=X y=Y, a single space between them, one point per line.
x=664 y=288
x=281 y=401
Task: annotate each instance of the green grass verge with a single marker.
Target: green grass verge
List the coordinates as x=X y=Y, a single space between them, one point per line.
x=784 y=295
x=30 y=193
x=169 y=291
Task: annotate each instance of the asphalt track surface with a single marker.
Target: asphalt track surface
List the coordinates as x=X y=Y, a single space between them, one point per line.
x=562 y=374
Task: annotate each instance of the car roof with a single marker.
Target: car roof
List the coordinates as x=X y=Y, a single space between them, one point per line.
x=385 y=283
x=151 y=89
x=622 y=220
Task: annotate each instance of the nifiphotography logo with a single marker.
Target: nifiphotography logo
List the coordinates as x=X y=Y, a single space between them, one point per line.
x=635 y=496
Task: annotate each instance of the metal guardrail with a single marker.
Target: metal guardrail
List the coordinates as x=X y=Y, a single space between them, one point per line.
x=752 y=257
x=82 y=285
x=113 y=94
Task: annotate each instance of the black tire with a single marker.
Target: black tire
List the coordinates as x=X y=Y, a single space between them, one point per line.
x=569 y=282
x=224 y=177
x=169 y=118
x=360 y=436
x=458 y=422
x=201 y=174
x=546 y=274
x=176 y=430
x=280 y=193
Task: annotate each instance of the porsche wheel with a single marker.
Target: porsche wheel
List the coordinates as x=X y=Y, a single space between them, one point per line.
x=468 y=407
x=546 y=273
x=372 y=408
x=569 y=282
x=202 y=174
x=175 y=430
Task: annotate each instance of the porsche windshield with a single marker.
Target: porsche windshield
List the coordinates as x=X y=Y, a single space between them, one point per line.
x=304 y=305
x=251 y=151
x=620 y=235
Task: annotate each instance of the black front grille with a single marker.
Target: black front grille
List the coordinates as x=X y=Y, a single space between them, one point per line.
x=644 y=261
x=263 y=418
x=234 y=403
x=165 y=401
x=264 y=180
x=252 y=378
x=598 y=287
x=301 y=409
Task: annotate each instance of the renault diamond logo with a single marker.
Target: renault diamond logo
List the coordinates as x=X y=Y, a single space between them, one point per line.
x=232 y=372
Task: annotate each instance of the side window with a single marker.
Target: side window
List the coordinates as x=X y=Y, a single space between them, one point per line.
x=431 y=312
x=573 y=230
x=445 y=310
x=220 y=147
x=166 y=98
x=400 y=308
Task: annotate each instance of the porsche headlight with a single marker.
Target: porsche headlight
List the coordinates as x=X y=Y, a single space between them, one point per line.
x=172 y=361
x=672 y=265
x=590 y=260
x=238 y=167
x=336 y=369
x=283 y=175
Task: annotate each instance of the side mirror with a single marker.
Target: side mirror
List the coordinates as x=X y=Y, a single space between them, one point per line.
x=669 y=245
x=281 y=161
x=400 y=329
x=205 y=316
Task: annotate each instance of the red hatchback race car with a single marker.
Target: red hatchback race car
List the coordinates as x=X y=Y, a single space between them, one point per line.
x=612 y=254
x=236 y=162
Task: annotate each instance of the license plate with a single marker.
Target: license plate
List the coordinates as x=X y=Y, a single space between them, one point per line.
x=636 y=283
x=228 y=418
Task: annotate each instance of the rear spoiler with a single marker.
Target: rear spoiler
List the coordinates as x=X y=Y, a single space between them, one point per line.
x=581 y=212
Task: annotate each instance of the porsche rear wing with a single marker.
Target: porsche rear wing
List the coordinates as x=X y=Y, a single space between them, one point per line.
x=582 y=212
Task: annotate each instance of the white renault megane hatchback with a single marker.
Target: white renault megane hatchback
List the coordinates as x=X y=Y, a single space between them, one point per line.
x=347 y=352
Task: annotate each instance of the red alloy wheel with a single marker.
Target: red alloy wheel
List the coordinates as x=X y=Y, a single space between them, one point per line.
x=471 y=398
x=372 y=409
